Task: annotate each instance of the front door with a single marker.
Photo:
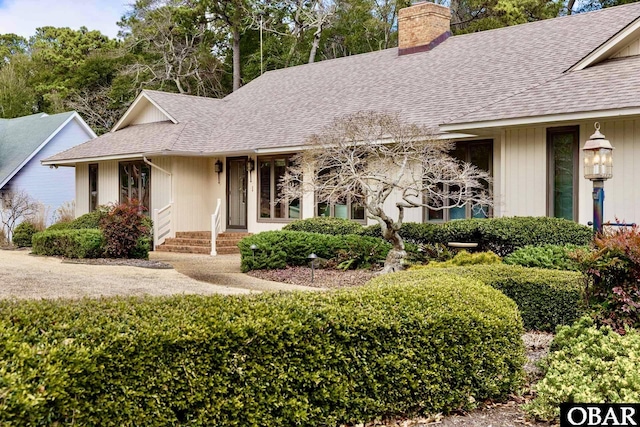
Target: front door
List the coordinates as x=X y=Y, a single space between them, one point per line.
x=237 y=192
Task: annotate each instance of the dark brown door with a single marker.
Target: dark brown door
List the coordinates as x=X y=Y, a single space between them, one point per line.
x=237 y=192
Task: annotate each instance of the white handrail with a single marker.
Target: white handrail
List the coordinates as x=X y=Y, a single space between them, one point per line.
x=216 y=227
x=162 y=224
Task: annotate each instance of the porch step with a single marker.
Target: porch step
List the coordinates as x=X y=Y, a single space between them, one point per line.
x=199 y=242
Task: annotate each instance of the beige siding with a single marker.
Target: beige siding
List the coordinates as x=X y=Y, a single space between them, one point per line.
x=161 y=183
x=631 y=49
x=622 y=192
x=108 y=182
x=193 y=193
x=150 y=114
x=82 y=189
x=525 y=173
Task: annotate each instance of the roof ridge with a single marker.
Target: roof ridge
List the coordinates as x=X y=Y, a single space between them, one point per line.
x=182 y=94
x=556 y=18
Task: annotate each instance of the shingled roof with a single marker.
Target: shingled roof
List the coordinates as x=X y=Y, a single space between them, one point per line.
x=507 y=72
x=23 y=137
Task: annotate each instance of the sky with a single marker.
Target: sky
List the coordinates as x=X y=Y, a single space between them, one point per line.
x=22 y=17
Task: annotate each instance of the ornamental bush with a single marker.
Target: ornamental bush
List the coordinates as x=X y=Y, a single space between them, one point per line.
x=123 y=226
x=304 y=359
x=554 y=257
x=278 y=249
x=325 y=225
x=613 y=267
x=87 y=243
x=23 y=233
x=88 y=220
x=546 y=298
x=463 y=258
x=588 y=365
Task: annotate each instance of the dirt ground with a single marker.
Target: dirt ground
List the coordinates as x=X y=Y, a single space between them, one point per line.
x=27 y=276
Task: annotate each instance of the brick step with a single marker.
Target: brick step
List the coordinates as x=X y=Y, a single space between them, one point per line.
x=231 y=235
x=187 y=242
x=193 y=235
x=227 y=243
x=184 y=249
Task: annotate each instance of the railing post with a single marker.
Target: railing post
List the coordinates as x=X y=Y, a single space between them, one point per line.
x=213 y=234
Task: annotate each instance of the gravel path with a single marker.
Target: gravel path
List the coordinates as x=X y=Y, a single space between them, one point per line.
x=27 y=276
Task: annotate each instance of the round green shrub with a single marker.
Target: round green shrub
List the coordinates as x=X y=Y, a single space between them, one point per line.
x=394 y=348
x=23 y=233
x=325 y=225
x=588 y=365
x=545 y=298
x=554 y=257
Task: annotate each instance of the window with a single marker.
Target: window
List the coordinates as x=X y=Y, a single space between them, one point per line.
x=135 y=183
x=562 y=181
x=93 y=187
x=272 y=205
x=479 y=154
x=346 y=207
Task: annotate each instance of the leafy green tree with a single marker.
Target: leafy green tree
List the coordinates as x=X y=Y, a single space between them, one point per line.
x=11 y=45
x=17 y=98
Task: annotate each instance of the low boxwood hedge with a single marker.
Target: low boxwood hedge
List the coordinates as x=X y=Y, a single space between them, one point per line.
x=84 y=243
x=554 y=257
x=304 y=359
x=278 y=249
x=546 y=298
x=325 y=225
x=499 y=235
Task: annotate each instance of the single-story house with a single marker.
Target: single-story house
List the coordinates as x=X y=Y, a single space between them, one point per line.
x=25 y=141
x=518 y=101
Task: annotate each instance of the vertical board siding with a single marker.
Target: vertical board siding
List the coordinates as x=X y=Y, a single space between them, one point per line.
x=631 y=49
x=160 y=183
x=149 y=114
x=108 y=182
x=193 y=196
x=525 y=172
x=82 y=189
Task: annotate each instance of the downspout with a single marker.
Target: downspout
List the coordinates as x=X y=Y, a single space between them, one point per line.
x=144 y=158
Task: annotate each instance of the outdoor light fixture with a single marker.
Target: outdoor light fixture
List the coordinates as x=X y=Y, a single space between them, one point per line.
x=217 y=168
x=251 y=166
x=598 y=167
x=254 y=248
x=313 y=258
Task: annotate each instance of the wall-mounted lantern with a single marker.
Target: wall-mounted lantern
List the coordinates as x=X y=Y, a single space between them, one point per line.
x=251 y=166
x=598 y=167
x=217 y=168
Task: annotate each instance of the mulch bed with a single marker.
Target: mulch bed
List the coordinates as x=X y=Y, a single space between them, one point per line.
x=323 y=278
x=143 y=263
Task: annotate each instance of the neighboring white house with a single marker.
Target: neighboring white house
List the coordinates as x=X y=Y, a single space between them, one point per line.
x=519 y=102
x=25 y=141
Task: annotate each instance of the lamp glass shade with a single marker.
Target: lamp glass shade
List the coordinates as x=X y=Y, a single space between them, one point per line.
x=598 y=164
x=218 y=166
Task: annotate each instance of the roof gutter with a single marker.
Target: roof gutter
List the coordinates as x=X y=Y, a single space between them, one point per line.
x=536 y=120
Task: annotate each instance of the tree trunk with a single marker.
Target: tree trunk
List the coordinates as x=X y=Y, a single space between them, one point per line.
x=236 y=59
x=397 y=254
x=315 y=44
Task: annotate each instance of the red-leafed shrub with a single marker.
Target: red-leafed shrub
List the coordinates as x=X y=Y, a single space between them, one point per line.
x=613 y=267
x=123 y=227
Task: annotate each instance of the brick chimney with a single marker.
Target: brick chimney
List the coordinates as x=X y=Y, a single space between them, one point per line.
x=422 y=27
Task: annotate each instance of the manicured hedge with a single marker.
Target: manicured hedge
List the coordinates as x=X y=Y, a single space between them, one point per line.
x=89 y=220
x=86 y=243
x=277 y=249
x=499 y=235
x=588 y=365
x=546 y=298
x=304 y=359
x=23 y=233
x=325 y=225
